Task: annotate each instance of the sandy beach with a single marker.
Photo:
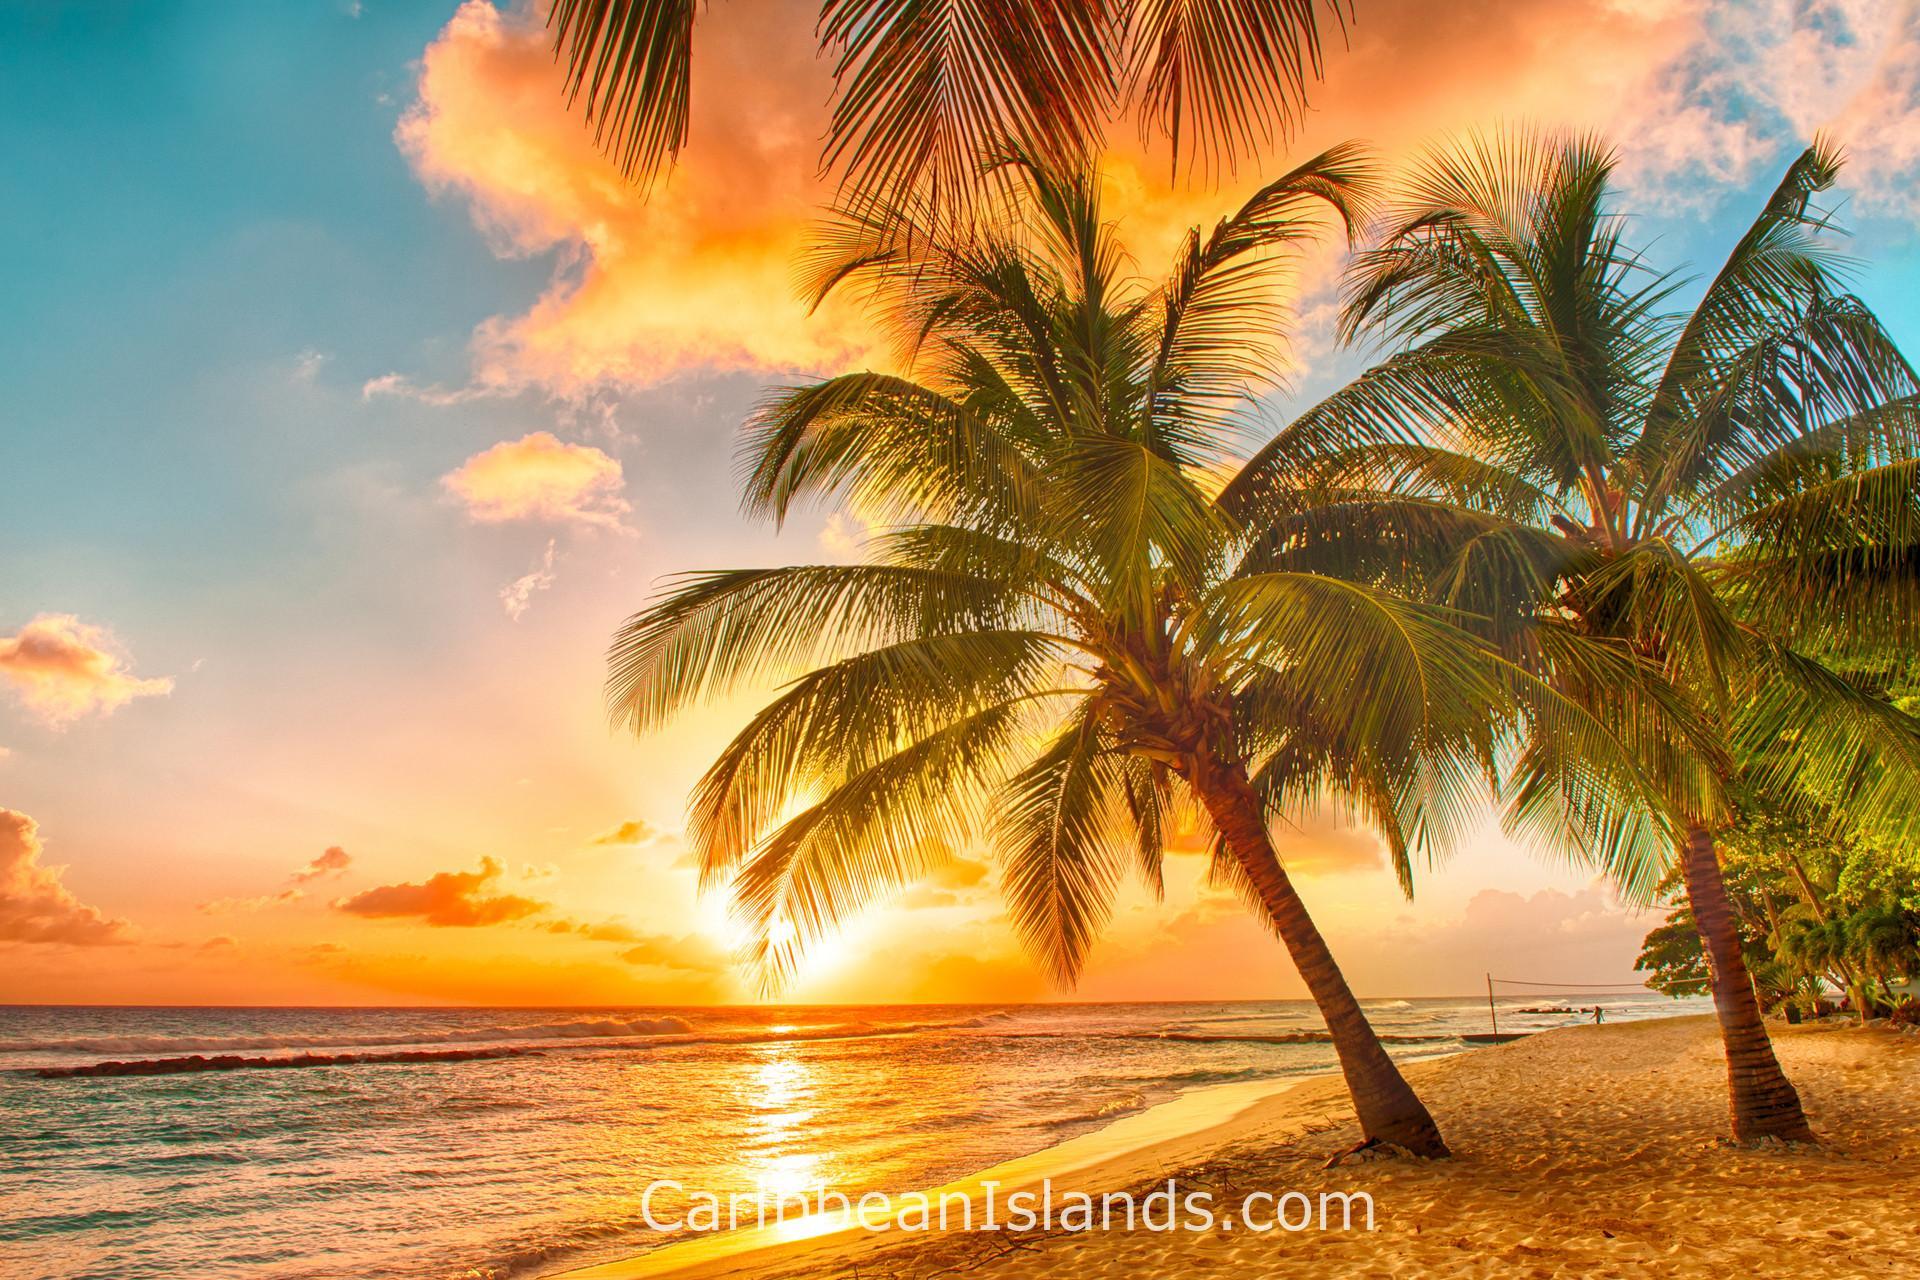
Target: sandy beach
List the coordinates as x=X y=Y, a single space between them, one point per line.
x=1589 y=1151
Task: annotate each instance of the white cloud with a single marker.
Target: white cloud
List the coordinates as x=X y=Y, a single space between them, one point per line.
x=541 y=478
x=63 y=669
x=517 y=596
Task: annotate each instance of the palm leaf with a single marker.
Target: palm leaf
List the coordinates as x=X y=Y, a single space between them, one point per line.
x=1064 y=845
x=633 y=59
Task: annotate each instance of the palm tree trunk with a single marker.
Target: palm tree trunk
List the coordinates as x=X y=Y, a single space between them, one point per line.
x=1764 y=1102
x=1386 y=1105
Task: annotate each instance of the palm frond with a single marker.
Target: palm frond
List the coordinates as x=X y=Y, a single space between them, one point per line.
x=1222 y=301
x=896 y=449
x=847 y=717
x=1836 y=562
x=1777 y=266
x=1811 y=733
x=929 y=90
x=634 y=61
x=880 y=829
x=713 y=631
x=1063 y=844
x=1223 y=78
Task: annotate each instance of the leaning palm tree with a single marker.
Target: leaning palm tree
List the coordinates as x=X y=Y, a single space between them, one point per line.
x=926 y=90
x=1062 y=643
x=1729 y=491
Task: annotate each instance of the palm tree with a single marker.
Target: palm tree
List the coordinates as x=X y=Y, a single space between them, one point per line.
x=926 y=90
x=1062 y=641
x=1728 y=491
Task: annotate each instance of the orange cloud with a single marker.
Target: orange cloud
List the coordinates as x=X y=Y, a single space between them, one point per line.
x=63 y=669
x=698 y=273
x=540 y=477
x=633 y=831
x=229 y=906
x=34 y=905
x=449 y=899
x=950 y=883
x=332 y=861
x=604 y=931
x=1324 y=845
x=690 y=954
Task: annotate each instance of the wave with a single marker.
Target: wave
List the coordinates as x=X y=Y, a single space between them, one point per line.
x=579 y=1029
x=1202 y=1075
x=1124 y=1104
x=1271 y=1015
x=1280 y=1037
x=595 y=1033
x=237 y=1062
x=857 y=1030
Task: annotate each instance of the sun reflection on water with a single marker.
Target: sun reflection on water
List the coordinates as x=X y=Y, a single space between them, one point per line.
x=778 y=1156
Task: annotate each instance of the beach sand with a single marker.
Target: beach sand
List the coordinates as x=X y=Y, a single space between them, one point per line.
x=1589 y=1151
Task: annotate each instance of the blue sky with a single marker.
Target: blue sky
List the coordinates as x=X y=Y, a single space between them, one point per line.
x=216 y=241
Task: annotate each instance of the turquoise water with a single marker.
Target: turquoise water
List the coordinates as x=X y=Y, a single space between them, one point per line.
x=519 y=1165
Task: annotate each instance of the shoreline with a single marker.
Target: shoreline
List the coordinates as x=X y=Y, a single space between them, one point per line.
x=1116 y=1155
x=1191 y=1117
x=1577 y=1151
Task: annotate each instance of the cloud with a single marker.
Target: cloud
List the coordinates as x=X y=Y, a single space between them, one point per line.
x=1848 y=67
x=1323 y=845
x=1548 y=936
x=307 y=365
x=449 y=899
x=63 y=669
x=689 y=954
x=539 y=477
x=332 y=861
x=947 y=885
x=603 y=931
x=34 y=905
x=517 y=595
x=696 y=273
x=231 y=906
x=398 y=386
x=634 y=831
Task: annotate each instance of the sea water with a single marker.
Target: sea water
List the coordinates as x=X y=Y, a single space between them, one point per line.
x=518 y=1165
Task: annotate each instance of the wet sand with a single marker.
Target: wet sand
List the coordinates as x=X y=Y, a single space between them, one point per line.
x=1589 y=1151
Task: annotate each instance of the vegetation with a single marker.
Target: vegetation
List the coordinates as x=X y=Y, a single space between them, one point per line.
x=1062 y=642
x=1818 y=910
x=1727 y=492
x=928 y=91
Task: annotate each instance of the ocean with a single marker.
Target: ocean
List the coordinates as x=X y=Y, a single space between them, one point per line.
x=450 y=1165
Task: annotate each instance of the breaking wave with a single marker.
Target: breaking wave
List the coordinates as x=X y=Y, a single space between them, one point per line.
x=579 y=1029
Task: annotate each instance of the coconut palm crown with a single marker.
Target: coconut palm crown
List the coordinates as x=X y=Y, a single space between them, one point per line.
x=1732 y=490
x=1061 y=643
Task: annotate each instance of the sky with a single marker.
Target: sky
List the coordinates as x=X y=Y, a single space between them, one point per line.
x=352 y=400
